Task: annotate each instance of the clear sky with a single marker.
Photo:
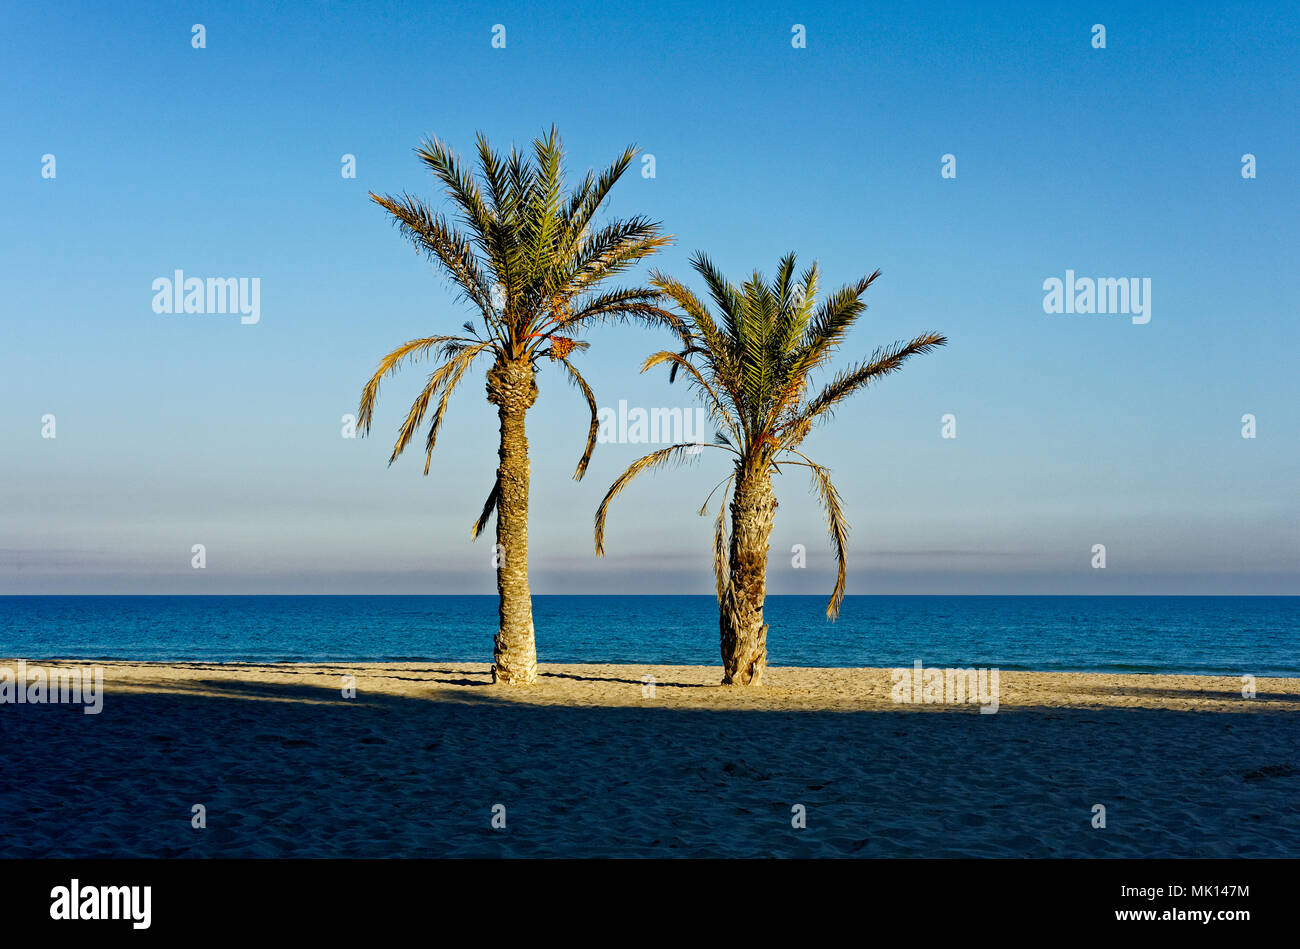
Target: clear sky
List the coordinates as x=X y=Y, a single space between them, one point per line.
x=1072 y=430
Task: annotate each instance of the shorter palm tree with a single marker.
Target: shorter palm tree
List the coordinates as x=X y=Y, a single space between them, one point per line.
x=751 y=366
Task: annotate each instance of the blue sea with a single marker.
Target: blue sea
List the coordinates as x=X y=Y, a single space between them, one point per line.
x=1195 y=635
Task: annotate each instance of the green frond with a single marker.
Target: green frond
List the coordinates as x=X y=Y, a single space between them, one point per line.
x=725 y=295
x=750 y=358
x=829 y=323
x=883 y=361
x=588 y=198
x=522 y=250
x=458 y=181
x=623 y=305
x=609 y=251
x=441 y=242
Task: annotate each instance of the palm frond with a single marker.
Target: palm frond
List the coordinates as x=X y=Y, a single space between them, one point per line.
x=433 y=235
x=458 y=181
x=489 y=506
x=673 y=454
x=621 y=305
x=882 y=362
x=704 y=508
x=523 y=250
x=608 y=252
x=587 y=198
x=721 y=562
x=839 y=531
x=750 y=358
x=576 y=378
x=717 y=410
x=725 y=295
x=414 y=349
x=456 y=371
x=543 y=221
x=831 y=320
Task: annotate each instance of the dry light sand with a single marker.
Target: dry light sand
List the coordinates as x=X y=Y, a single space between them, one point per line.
x=586 y=763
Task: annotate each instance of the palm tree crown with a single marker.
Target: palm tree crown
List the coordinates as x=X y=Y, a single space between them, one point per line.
x=751 y=365
x=528 y=258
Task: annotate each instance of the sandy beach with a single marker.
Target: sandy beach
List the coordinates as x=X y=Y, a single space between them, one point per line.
x=592 y=762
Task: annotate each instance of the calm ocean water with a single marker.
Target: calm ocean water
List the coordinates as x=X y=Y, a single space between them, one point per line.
x=1207 y=635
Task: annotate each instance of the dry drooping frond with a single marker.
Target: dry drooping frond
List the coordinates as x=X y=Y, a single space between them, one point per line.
x=673 y=454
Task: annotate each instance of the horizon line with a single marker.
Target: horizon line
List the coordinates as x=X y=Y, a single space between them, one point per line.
x=770 y=596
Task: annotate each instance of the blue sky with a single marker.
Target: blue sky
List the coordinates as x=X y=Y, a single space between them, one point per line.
x=1072 y=430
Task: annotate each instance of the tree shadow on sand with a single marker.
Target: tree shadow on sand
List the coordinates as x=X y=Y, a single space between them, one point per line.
x=291 y=770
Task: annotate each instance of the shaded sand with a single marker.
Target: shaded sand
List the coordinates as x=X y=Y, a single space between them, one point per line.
x=588 y=765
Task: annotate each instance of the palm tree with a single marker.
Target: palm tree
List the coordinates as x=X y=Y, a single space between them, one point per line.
x=528 y=258
x=751 y=367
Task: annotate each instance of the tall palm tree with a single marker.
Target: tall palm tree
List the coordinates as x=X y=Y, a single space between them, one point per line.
x=751 y=366
x=528 y=257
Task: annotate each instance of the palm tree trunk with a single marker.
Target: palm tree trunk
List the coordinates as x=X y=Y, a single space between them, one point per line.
x=744 y=634
x=512 y=387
